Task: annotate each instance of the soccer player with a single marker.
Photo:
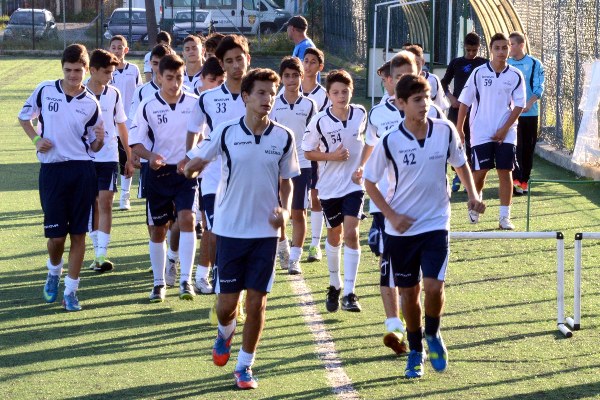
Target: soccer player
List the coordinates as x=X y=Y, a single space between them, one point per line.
x=496 y=94
x=162 y=120
x=417 y=214
x=249 y=147
x=211 y=43
x=68 y=132
x=438 y=96
x=459 y=70
x=102 y=66
x=294 y=111
x=313 y=63
x=192 y=54
x=334 y=138
x=212 y=75
x=527 y=127
x=126 y=78
x=385 y=74
x=162 y=37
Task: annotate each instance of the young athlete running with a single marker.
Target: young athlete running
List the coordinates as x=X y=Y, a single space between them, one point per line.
x=192 y=54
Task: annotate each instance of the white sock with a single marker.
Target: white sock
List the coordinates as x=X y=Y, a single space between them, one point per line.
x=227 y=330
x=158 y=260
x=103 y=241
x=295 y=253
x=71 y=285
x=505 y=211
x=173 y=255
x=394 y=324
x=351 y=261
x=283 y=245
x=245 y=360
x=333 y=263
x=201 y=272
x=94 y=237
x=55 y=270
x=125 y=186
x=316 y=227
x=187 y=247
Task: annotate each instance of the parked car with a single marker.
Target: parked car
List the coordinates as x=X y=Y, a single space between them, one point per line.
x=119 y=21
x=183 y=26
x=21 y=21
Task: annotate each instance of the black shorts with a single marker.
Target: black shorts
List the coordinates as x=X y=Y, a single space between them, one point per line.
x=208 y=202
x=314 y=178
x=336 y=209
x=493 y=155
x=67 y=193
x=301 y=196
x=413 y=257
x=167 y=193
x=106 y=174
x=142 y=182
x=245 y=264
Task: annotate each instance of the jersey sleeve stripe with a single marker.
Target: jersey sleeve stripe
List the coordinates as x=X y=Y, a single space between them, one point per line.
x=227 y=157
x=388 y=154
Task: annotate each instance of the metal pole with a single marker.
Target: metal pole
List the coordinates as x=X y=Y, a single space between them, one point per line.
x=129 y=40
x=387 y=34
x=33 y=24
x=560 y=285
x=449 y=44
x=64 y=15
x=372 y=66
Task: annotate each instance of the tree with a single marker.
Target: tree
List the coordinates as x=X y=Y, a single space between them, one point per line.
x=151 y=21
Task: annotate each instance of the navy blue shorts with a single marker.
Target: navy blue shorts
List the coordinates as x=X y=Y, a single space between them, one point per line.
x=413 y=257
x=167 y=193
x=314 y=165
x=375 y=233
x=493 y=155
x=106 y=173
x=67 y=193
x=245 y=264
x=301 y=196
x=142 y=182
x=208 y=202
x=336 y=209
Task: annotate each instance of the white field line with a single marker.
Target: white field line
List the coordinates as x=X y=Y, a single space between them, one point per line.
x=336 y=376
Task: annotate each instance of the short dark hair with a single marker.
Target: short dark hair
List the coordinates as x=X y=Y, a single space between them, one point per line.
x=497 y=37
x=163 y=36
x=192 y=38
x=212 y=67
x=75 y=53
x=118 y=37
x=161 y=50
x=518 y=36
x=472 y=39
x=258 y=74
x=411 y=84
x=401 y=58
x=103 y=59
x=231 y=42
x=212 y=41
x=339 y=75
x=317 y=53
x=385 y=70
x=170 y=62
x=292 y=63
x=298 y=22
x=415 y=49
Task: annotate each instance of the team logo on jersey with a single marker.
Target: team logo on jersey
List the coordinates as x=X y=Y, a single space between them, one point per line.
x=273 y=150
x=240 y=143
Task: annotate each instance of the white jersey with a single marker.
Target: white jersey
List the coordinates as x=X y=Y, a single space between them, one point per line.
x=214 y=107
x=191 y=82
x=68 y=122
x=325 y=133
x=386 y=97
x=127 y=80
x=164 y=125
x=438 y=97
x=492 y=96
x=417 y=174
x=295 y=117
x=143 y=92
x=251 y=167
x=113 y=112
x=319 y=95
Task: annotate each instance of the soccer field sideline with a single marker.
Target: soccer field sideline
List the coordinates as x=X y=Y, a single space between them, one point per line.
x=473 y=297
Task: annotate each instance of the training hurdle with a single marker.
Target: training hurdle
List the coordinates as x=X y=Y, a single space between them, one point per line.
x=575 y=321
x=560 y=262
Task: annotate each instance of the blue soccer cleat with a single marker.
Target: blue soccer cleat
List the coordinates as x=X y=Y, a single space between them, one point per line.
x=222 y=349
x=51 y=288
x=71 y=303
x=244 y=379
x=438 y=355
x=456 y=183
x=415 y=367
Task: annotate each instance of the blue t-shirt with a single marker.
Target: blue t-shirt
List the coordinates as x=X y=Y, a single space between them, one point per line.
x=301 y=47
x=533 y=72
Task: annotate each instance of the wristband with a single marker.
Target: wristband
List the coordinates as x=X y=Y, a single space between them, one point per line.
x=36 y=139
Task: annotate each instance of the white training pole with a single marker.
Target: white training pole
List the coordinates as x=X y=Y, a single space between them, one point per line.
x=387 y=35
x=503 y=235
x=574 y=322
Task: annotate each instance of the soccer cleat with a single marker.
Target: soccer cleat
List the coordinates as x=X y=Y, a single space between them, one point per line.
x=332 y=303
x=157 y=295
x=517 y=189
x=124 y=203
x=93 y=265
x=294 y=268
x=415 y=365
x=186 y=291
x=395 y=341
x=203 y=286
x=244 y=379
x=103 y=265
x=51 y=288
x=350 y=303
x=314 y=254
x=456 y=183
x=171 y=273
x=505 y=224
x=438 y=355
x=71 y=303
x=212 y=314
x=525 y=187
x=283 y=253
x=222 y=349
x=473 y=216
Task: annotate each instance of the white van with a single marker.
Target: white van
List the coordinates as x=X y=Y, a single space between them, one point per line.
x=234 y=16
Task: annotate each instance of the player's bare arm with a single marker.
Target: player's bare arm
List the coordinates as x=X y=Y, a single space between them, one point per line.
x=155 y=161
x=474 y=203
x=501 y=133
x=281 y=215
x=42 y=145
x=340 y=154
x=460 y=121
x=400 y=222
x=364 y=156
x=97 y=144
x=194 y=167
